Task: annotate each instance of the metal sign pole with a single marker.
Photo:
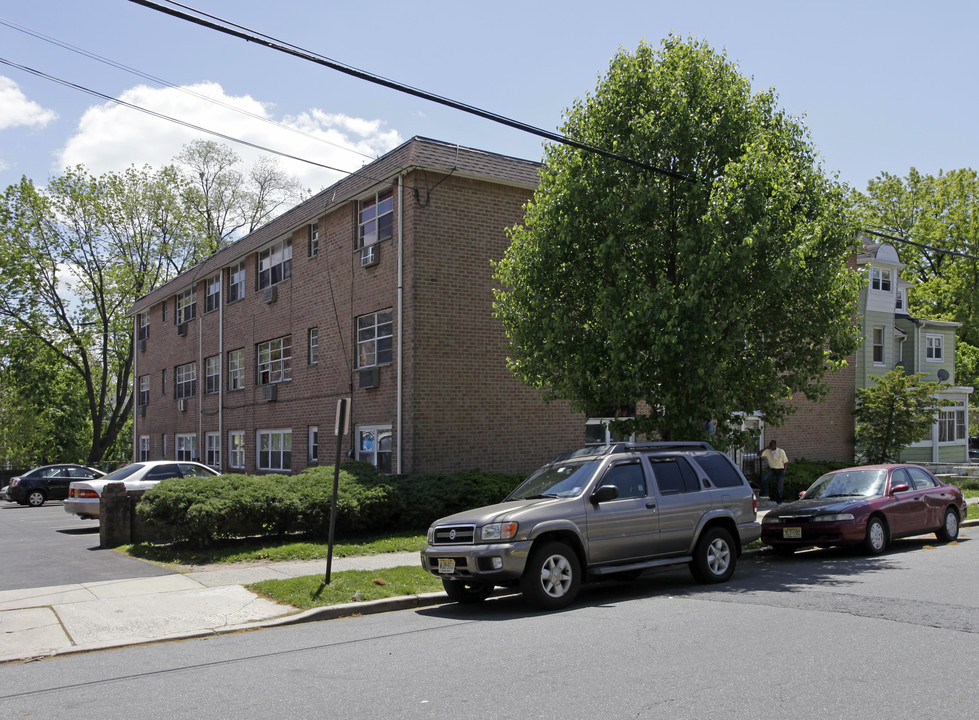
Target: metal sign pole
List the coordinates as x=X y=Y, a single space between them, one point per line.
x=342 y=428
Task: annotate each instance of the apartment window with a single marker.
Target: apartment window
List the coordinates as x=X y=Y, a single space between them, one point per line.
x=314 y=239
x=236 y=288
x=186 y=446
x=163 y=441
x=144 y=326
x=212 y=295
x=275 y=449
x=163 y=307
x=236 y=449
x=144 y=448
x=951 y=425
x=164 y=380
x=185 y=381
x=933 y=348
x=374 y=339
x=212 y=374
x=275 y=360
x=598 y=431
x=314 y=346
x=186 y=306
x=374 y=446
x=212 y=448
x=275 y=263
x=144 y=390
x=880 y=279
x=314 y=444
x=878 y=346
x=376 y=219
x=236 y=370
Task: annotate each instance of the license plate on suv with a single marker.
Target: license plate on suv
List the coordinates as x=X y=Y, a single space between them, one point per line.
x=447 y=566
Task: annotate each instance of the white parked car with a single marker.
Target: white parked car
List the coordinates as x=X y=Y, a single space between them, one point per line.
x=84 y=496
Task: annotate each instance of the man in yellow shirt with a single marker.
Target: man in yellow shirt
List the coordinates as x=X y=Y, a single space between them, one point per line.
x=777 y=460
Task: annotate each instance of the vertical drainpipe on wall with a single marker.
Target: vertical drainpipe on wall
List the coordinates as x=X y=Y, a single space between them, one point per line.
x=200 y=385
x=401 y=290
x=135 y=385
x=221 y=378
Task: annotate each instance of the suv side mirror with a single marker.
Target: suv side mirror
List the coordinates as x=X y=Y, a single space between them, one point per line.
x=604 y=494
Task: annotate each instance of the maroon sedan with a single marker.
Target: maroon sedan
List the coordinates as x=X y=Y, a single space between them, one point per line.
x=868 y=506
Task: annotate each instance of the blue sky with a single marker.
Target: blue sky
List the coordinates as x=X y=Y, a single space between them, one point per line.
x=882 y=86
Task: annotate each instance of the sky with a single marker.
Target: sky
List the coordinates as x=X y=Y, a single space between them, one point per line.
x=883 y=86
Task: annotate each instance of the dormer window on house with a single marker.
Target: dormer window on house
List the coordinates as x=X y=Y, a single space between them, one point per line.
x=934 y=348
x=376 y=219
x=880 y=279
x=186 y=306
x=275 y=264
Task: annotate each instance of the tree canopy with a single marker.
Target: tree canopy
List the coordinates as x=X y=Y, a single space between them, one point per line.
x=685 y=301
x=894 y=412
x=939 y=215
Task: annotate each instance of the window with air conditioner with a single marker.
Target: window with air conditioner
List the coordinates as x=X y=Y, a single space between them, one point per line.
x=275 y=360
x=185 y=381
x=275 y=263
x=375 y=339
x=186 y=307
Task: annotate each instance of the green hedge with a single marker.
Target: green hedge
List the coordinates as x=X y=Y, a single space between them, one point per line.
x=202 y=510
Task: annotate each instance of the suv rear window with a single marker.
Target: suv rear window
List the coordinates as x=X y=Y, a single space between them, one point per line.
x=719 y=468
x=673 y=475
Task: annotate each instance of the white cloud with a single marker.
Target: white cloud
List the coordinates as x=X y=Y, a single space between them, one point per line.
x=112 y=137
x=16 y=109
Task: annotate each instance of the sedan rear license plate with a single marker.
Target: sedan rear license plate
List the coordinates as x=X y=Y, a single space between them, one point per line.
x=792 y=533
x=447 y=566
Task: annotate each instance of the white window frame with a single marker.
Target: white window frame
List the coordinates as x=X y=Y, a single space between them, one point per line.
x=899 y=300
x=952 y=426
x=236 y=369
x=273 y=450
x=375 y=218
x=314 y=239
x=314 y=444
x=882 y=345
x=212 y=445
x=144 y=325
x=144 y=448
x=313 y=338
x=275 y=263
x=934 y=348
x=144 y=390
x=880 y=279
x=164 y=439
x=186 y=306
x=375 y=339
x=212 y=374
x=236 y=284
x=608 y=437
x=185 y=447
x=236 y=449
x=164 y=379
x=275 y=361
x=185 y=381
x=369 y=440
x=212 y=294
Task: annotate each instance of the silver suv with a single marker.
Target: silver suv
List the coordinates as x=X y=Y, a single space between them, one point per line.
x=598 y=513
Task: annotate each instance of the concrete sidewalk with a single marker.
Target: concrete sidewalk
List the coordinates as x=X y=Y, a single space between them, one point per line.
x=66 y=619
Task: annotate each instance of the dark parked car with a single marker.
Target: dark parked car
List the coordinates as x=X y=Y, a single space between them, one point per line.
x=49 y=482
x=868 y=506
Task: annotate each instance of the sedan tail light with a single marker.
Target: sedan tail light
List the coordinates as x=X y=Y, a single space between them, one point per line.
x=81 y=493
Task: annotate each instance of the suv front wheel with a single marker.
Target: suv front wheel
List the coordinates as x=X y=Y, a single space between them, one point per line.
x=552 y=576
x=714 y=557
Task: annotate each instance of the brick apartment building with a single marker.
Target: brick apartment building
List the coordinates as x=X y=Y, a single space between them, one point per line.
x=378 y=289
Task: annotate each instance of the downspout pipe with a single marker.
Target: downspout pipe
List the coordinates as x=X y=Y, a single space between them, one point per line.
x=401 y=353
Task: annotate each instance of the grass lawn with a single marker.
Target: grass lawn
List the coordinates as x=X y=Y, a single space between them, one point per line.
x=348 y=586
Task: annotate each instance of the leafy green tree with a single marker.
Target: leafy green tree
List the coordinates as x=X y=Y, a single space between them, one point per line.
x=687 y=300
x=939 y=215
x=894 y=412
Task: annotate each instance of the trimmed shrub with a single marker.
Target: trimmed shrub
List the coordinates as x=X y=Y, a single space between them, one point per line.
x=429 y=496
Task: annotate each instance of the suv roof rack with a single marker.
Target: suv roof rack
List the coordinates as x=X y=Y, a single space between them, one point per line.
x=626 y=447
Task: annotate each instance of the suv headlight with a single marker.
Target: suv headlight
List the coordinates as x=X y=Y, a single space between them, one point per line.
x=498 y=531
x=836 y=517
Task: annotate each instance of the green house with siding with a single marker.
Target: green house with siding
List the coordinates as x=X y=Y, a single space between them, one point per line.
x=895 y=339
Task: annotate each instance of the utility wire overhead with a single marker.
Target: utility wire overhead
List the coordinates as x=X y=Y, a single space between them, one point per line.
x=228 y=28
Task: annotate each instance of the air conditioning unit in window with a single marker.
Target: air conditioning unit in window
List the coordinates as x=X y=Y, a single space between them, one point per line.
x=270 y=393
x=142 y=411
x=370 y=255
x=270 y=294
x=369 y=378
x=182 y=329
x=142 y=345
x=182 y=405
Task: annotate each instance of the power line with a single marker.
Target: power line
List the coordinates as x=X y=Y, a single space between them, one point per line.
x=239 y=31
x=165 y=83
x=877 y=233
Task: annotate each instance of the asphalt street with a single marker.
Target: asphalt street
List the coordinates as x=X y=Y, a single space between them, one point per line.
x=828 y=634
